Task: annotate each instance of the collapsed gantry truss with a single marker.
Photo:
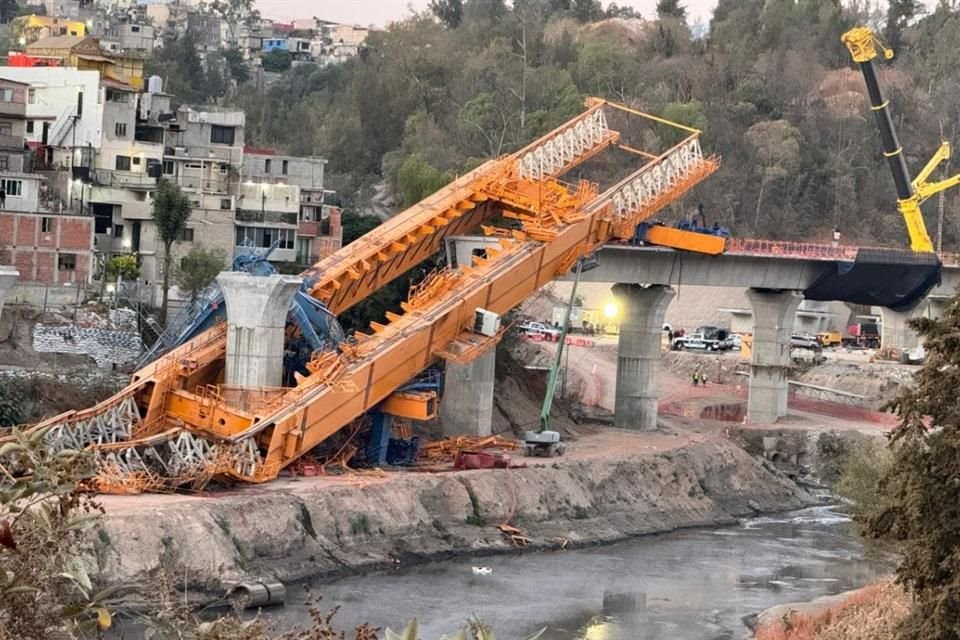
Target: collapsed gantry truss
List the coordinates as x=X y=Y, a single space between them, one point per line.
x=175 y=425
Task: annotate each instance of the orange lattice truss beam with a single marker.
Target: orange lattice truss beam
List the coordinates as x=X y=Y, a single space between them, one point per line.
x=176 y=424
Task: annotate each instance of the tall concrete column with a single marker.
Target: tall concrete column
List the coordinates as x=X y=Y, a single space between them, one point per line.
x=642 y=310
x=257 y=309
x=895 y=333
x=8 y=277
x=467 y=404
x=773 y=316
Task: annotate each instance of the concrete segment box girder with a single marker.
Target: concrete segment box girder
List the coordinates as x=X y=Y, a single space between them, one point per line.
x=257 y=308
x=770 y=362
x=467 y=404
x=642 y=310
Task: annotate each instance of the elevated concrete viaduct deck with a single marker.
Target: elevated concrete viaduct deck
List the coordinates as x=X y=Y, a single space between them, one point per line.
x=775 y=284
x=775 y=275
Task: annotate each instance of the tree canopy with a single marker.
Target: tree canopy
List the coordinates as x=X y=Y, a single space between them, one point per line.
x=439 y=92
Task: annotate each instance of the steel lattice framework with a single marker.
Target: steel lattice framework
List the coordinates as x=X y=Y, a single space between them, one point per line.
x=174 y=425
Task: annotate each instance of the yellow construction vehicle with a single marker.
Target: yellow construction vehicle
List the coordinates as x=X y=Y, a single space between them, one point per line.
x=863 y=44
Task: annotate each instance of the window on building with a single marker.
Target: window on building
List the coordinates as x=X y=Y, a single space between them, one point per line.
x=79 y=103
x=222 y=135
x=285 y=166
x=30 y=127
x=123 y=163
x=224 y=169
x=135 y=28
x=32 y=96
x=186 y=235
x=225 y=204
x=120 y=129
x=12 y=188
x=4 y=162
x=168 y=167
x=136 y=160
x=118 y=230
x=262 y=237
x=66 y=262
x=46 y=225
x=6 y=128
x=6 y=95
x=266 y=165
x=122 y=97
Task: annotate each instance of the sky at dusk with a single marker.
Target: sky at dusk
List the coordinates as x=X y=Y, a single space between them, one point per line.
x=380 y=12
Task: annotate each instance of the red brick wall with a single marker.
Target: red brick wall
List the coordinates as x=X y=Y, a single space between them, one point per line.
x=26 y=230
x=36 y=254
x=46 y=267
x=76 y=233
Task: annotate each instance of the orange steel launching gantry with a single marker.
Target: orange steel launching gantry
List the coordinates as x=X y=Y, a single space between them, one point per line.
x=177 y=424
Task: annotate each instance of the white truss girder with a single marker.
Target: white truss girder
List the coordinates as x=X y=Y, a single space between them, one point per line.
x=552 y=157
x=656 y=178
x=115 y=424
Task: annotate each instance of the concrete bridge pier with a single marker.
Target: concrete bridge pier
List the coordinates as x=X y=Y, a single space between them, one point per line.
x=8 y=277
x=642 y=310
x=467 y=404
x=257 y=308
x=896 y=334
x=773 y=314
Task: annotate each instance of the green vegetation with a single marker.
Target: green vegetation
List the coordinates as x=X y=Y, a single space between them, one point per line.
x=360 y=525
x=198 y=268
x=124 y=266
x=277 y=61
x=916 y=506
x=770 y=83
x=171 y=210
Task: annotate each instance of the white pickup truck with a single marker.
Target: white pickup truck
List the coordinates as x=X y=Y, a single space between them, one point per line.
x=697 y=341
x=540 y=329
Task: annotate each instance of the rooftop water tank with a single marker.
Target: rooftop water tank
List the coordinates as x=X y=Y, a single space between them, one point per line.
x=155 y=84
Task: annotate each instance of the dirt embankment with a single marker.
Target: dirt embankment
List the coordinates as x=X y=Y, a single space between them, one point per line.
x=295 y=529
x=878 y=382
x=870 y=613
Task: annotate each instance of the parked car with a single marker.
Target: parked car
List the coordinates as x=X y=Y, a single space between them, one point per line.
x=733 y=342
x=805 y=341
x=696 y=341
x=540 y=329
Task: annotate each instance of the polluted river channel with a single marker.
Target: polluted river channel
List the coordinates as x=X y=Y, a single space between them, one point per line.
x=696 y=584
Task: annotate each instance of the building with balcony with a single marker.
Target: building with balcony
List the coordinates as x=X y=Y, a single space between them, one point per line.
x=268 y=215
x=318 y=223
x=14 y=156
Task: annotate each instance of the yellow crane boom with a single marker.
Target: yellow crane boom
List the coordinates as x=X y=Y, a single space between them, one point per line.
x=862 y=44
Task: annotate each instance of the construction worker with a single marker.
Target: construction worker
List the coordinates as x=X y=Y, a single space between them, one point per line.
x=696 y=378
x=703 y=379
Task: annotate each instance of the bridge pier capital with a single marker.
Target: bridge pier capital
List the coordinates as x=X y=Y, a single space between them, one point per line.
x=773 y=317
x=642 y=310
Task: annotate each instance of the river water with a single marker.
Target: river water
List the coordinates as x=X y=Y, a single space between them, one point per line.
x=695 y=584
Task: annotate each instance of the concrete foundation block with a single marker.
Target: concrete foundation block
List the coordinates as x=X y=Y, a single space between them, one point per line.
x=642 y=310
x=257 y=308
x=770 y=362
x=467 y=404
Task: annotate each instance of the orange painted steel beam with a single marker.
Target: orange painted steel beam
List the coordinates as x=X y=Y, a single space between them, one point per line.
x=181 y=423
